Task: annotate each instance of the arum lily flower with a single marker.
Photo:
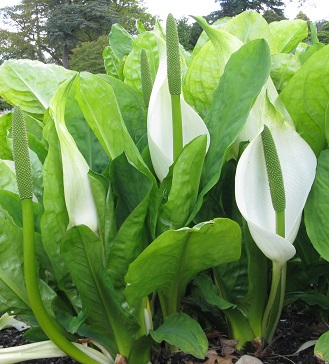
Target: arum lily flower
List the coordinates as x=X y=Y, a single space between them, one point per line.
x=159 y=123
x=273 y=179
x=79 y=200
x=253 y=198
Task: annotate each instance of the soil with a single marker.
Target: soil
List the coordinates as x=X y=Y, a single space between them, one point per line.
x=294 y=329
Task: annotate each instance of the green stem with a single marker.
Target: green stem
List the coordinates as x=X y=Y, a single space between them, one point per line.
x=278 y=308
x=276 y=277
x=239 y=327
x=177 y=125
x=51 y=328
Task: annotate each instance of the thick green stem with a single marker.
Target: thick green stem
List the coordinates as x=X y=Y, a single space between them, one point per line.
x=48 y=325
x=276 y=277
x=275 y=317
x=177 y=125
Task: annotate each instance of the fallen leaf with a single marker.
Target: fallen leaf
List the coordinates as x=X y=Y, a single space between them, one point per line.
x=248 y=359
x=215 y=358
x=120 y=359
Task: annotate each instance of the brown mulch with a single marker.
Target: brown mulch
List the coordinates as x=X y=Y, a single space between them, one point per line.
x=293 y=330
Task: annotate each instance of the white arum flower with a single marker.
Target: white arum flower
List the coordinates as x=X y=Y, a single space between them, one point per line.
x=79 y=200
x=298 y=164
x=159 y=123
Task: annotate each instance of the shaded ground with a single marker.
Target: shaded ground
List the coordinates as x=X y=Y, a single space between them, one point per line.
x=294 y=330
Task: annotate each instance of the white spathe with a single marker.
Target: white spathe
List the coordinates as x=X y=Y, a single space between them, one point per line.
x=159 y=123
x=298 y=164
x=78 y=196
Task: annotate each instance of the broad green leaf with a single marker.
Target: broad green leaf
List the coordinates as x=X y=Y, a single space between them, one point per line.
x=82 y=134
x=5 y=125
x=317 y=208
x=233 y=100
x=13 y=295
x=306 y=98
x=31 y=84
x=284 y=66
x=106 y=121
x=8 y=176
x=131 y=107
x=176 y=256
x=112 y=65
x=132 y=189
x=287 y=34
x=186 y=172
x=182 y=331
x=327 y=124
x=250 y=25
x=151 y=42
x=203 y=76
x=120 y=40
x=54 y=220
x=11 y=204
x=207 y=67
x=321 y=349
x=211 y=293
x=82 y=252
x=310 y=51
x=104 y=201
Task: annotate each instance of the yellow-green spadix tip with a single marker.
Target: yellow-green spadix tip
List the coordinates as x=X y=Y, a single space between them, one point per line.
x=173 y=57
x=21 y=155
x=274 y=171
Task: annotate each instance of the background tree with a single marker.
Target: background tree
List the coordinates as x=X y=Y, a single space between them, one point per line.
x=235 y=7
x=49 y=29
x=88 y=56
x=270 y=16
x=323 y=33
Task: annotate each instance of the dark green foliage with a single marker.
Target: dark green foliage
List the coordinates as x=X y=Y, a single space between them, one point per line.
x=235 y=7
x=323 y=34
x=271 y=16
x=88 y=56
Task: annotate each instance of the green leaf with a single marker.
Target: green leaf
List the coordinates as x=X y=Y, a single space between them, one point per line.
x=248 y=26
x=31 y=84
x=181 y=330
x=133 y=192
x=207 y=67
x=151 y=42
x=284 y=66
x=131 y=106
x=321 y=349
x=306 y=98
x=176 y=256
x=186 y=172
x=13 y=294
x=5 y=125
x=54 y=221
x=82 y=252
x=104 y=201
x=11 y=203
x=88 y=144
x=106 y=121
x=210 y=293
x=317 y=208
x=287 y=34
x=233 y=100
x=120 y=40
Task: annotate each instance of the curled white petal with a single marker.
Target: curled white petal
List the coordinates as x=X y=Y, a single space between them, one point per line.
x=159 y=123
x=79 y=200
x=298 y=164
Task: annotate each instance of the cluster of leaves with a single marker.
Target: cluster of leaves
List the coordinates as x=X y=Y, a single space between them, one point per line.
x=119 y=250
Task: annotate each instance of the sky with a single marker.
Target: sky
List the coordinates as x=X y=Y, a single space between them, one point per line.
x=315 y=9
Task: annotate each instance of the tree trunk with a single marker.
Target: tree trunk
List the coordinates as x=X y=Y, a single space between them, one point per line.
x=66 y=52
